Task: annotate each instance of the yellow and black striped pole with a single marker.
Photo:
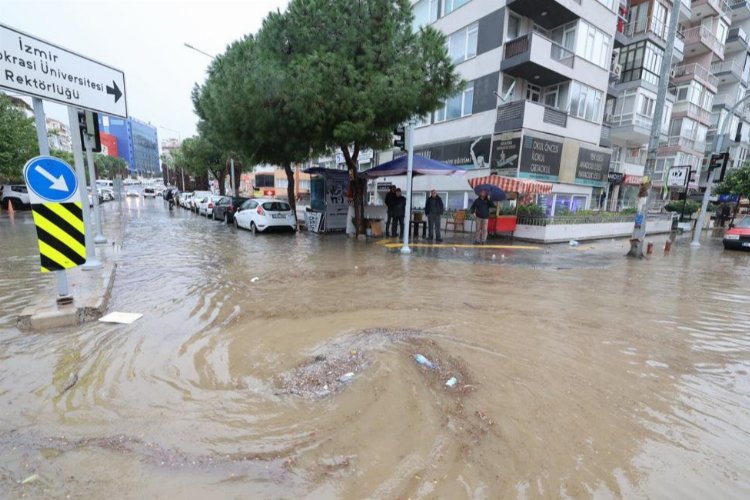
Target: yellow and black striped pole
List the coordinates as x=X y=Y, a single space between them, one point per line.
x=61 y=234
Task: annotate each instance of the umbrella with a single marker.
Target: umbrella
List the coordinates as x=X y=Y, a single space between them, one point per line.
x=494 y=192
x=421 y=166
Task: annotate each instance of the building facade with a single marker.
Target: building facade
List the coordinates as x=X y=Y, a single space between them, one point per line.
x=58 y=135
x=137 y=144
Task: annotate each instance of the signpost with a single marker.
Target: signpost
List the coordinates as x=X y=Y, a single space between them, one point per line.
x=38 y=68
x=45 y=71
x=55 y=196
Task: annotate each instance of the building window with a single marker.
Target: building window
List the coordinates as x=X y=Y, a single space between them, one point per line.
x=462 y=45
x=282 y=183
x=585 y=101
x=593 y=45
x=425 y=12
x=457 y=106
x=551 y=96
x=533 y=92
x=424 y=120
x=641 y=61
x=514 y=28
x=508 y=85
x=264 y=181
x=451 y=5
x=647 y=106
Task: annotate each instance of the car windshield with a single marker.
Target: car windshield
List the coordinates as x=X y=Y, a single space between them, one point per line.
x=276 y=206
x=744 y=223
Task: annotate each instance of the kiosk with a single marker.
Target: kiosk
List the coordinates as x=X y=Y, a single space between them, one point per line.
x=329 y=204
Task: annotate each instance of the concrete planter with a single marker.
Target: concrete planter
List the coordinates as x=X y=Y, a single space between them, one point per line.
x=558 y=231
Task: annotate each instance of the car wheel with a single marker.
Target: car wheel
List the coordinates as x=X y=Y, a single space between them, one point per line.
x=226 y=218
x=253 y=228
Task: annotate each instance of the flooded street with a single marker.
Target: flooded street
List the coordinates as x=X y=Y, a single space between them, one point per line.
x=580 y=374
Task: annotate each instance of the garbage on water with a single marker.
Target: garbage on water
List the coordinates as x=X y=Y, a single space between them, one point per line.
x=451 y=382
x=346 y=377
x=120 y=317
x=255 y=279
x=574 y=243
x=30 y=479
x=419 y=358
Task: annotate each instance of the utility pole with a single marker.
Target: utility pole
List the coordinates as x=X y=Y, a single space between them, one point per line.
x=409 y=175
x=639 y=231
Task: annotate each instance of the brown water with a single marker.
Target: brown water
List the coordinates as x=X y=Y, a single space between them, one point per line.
x=581 y=374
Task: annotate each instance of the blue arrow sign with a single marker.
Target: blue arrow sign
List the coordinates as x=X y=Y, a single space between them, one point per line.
x=50 y=179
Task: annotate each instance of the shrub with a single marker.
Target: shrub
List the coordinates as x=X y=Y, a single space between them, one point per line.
x=677 y=206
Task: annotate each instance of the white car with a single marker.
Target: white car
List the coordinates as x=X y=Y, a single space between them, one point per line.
x=149 y=192
x=206 y=205
x=197 y=197
x=107 y=193
x=132 y=192
x=184 y=199
x=17 y=194
x=260 y=214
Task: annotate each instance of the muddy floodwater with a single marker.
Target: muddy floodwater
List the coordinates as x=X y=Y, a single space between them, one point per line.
x=578 y=373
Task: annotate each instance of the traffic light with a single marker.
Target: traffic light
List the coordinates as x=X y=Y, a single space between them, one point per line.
x=720 y=161
x=95 y=133
x=400 y=140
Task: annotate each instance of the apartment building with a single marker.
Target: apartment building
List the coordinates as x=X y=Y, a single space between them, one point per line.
x=538 y=74
x=58 y=135
x=731 y=75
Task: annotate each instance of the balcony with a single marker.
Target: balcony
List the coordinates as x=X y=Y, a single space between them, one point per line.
x=538 y=60
x=740 y=10
x=727 y=101
x=547 y=13
x=531 y=115
x=634 y=128
x=692 y=111
x=695 y=71
x=651 y=27
x=729 y=71
x=675 y=143
x=736 y=41
x=700 y=40
x=605 y=140
x=704 y=8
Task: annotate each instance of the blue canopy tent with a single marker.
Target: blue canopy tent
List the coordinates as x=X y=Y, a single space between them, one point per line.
x=421 y=166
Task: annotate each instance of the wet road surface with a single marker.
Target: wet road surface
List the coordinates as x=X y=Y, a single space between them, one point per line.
x=580 y=374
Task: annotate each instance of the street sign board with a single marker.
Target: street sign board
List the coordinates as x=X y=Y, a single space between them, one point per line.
x=37 y=68
x=678 y=176
x=50 y=179
x=55 y=197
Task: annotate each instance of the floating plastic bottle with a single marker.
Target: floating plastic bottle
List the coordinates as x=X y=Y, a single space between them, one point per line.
x=423 y=361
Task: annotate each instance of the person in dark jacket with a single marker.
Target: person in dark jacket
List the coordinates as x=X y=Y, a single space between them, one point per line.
x=389 y=199
x=481 y=209
x=399 y=212
x=434 y=209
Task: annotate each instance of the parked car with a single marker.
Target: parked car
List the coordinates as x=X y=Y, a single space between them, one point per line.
x=17 y=194
x=107 y=194
x=183 y=199
x=149 y=192
x=197 y=197
x=261 y=214
x=226 y=207
x=206 y=205
x=737 y=236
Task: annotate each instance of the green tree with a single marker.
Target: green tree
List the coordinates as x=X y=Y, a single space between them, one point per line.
x=65 y=156
x=18 y=143
x=357 y=70
x=107 y=167
x=737 y=181
x=199 y=155
x=248 y=104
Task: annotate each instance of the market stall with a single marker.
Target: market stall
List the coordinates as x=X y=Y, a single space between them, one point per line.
x=522 y=189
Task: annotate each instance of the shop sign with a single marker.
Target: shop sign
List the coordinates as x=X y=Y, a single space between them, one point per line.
x=459 y=153
x=678 y=176
x=504 y=160
x=592 y=167
x=384 y=186
x=540 y=159
x=615 y=178
x=633 y=180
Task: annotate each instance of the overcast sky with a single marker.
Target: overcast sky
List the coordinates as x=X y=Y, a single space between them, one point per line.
x=144 y=38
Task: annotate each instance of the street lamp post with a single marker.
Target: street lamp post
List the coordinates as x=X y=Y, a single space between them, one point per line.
x=712 y=174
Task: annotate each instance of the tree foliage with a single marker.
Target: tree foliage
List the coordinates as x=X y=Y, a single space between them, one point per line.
x=737 y=181
x=107 y=167
x=197 y=155
x=18 y=142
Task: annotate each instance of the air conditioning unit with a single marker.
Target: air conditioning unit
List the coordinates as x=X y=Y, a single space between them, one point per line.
x=673 y=73
x=617 y=70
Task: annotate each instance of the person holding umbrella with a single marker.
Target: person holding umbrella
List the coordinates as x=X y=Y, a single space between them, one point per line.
x=481 y=209
x=434 y=209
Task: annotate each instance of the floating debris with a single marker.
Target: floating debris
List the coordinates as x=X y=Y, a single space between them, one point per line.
x=452 y=382
x=419 y=358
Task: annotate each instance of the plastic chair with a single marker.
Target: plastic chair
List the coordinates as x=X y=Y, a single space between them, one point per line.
x=459 y=219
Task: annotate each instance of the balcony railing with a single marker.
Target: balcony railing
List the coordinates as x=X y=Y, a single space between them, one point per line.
x=701 y=34
x=693 y=111
x=683 y=142
x=649 y=25
x=628 y=119
x=721 y=6
x=522 y=45
x=555 y=117
x=734 y=65
x=737 y=34
x=695 y=70
x=513 y=113
x=517 y=47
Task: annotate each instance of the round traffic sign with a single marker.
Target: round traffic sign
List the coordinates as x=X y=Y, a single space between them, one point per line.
x=50 y=179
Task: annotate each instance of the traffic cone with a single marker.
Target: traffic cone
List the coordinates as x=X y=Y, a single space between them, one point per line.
x=11 y=212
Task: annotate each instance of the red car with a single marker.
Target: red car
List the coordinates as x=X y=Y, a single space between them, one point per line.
x=738 y=237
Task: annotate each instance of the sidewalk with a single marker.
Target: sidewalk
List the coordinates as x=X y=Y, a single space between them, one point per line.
x=90 y=288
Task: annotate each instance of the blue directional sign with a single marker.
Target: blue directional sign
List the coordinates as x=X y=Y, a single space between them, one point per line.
x=50 y=179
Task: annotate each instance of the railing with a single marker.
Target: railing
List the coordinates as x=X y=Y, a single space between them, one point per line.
x=517 y=47
x=721 y=6
x=600 y=218
x=626 y=119
x=737 y=33
x=555 y=117
x=737 y=3
x=693 y=111
x=560 y=53
x=730 y=65
x=648 y=25
x=683 y=142
x=510 y=111
x=604 y=136
x=698 y=71
x=703 y=35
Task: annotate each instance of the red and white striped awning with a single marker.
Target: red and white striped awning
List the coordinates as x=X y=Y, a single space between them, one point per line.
x=513 y=185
